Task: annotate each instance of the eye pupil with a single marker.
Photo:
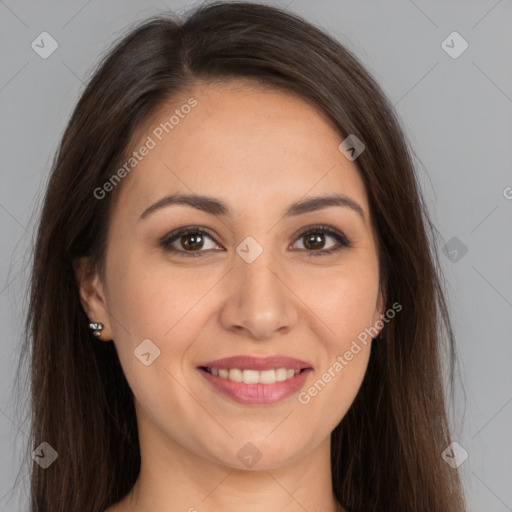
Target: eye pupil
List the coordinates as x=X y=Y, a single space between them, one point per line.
x=196 y=239
x=192 y=240
x=314 y=241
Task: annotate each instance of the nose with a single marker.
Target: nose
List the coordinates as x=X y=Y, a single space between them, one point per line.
x=259 y=302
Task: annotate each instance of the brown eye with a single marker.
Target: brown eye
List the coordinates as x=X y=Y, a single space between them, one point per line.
x=315 y=238
x=192 y=241
x=313 y=241
x=187 y=241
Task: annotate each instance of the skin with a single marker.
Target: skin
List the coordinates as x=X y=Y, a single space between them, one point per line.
x=259 y=151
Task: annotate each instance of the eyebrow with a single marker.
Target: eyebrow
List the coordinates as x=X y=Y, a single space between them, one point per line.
x=217 y=207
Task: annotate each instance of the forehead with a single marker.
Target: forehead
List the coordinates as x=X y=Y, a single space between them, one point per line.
x=250 y=145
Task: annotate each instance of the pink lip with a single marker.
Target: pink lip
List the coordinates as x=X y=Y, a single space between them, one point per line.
x=254 y=394
x=257 y=363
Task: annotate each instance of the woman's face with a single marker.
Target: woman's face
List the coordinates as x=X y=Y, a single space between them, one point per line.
x=256 y=280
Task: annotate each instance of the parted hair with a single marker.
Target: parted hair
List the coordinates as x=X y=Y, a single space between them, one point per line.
x=386 y=451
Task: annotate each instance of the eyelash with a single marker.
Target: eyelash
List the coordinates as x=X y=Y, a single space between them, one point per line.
x=343 y=241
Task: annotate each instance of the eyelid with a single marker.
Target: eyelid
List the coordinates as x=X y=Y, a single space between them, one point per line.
x=327 y=230
x=343 y=241
x=165 y=241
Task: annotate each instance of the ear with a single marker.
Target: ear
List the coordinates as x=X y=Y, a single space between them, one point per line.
x=92 y=295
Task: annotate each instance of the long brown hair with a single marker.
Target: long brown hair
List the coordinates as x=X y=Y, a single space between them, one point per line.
x=386 y=452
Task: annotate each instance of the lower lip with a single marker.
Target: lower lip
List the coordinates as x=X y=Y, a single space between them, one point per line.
x=254 y=394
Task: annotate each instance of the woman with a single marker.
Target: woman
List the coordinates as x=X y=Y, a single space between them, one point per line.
x=234 y=300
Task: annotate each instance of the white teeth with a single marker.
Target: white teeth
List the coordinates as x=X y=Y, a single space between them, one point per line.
x=248 y=376
x=266 y=376
x=280 y=374
x=236 y=375
x=255 y=376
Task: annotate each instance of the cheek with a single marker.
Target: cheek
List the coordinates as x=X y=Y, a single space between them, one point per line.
x=343 y=300
x=162 y=304
x=146 y=300
x=147 y=304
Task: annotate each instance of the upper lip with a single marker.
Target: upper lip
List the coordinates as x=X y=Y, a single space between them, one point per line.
x=257 y=363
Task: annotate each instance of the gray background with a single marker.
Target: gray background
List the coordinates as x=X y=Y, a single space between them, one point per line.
x=456 y=113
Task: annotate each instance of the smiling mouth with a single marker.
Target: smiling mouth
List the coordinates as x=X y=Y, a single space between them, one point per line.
x=245 y=376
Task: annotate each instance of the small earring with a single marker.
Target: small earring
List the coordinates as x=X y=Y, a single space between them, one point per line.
x=96 y=329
